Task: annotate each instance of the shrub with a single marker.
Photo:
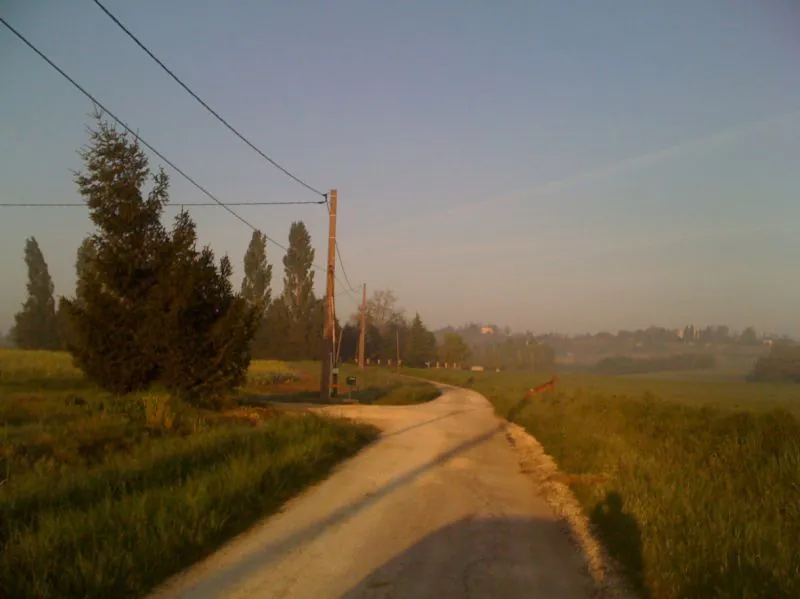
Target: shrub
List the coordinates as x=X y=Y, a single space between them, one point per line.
x=152 y=306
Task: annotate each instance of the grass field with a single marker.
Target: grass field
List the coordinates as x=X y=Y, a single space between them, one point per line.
x=299 y=383
x=105 y=497
x=694 y=487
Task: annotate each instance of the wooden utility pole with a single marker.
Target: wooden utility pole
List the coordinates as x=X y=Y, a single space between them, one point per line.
x=328 y=374
x=397 y=332
x=362 y=337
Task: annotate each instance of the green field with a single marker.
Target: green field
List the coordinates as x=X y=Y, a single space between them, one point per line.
x=694 y=487
x=299 y=383
x=693 y=389
x=102 y=496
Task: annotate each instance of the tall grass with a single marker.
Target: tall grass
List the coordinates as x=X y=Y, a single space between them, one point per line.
x=27 y=365
x=374 y=385
x=384 y=386
x=694 y=500
x=104 y=496
x=268 y=372
x=119 y=529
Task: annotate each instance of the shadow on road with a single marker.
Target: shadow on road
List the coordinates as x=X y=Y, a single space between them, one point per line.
x=365 y=395
x=215 y=584
x=495 y=557
x=431 y=421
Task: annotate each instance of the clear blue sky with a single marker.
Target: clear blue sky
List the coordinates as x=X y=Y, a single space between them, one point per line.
x=564 y=166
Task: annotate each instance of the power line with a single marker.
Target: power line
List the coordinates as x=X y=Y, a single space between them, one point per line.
x=202 y=103
x=341 y=263
x=202 y=189
x=138 y=137
x=339 y=253
x=178 y=80
x=74 y=204
x=343 y=292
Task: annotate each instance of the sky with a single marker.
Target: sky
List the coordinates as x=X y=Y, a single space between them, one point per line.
x=550 y=166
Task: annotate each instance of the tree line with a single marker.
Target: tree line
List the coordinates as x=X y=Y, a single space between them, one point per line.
x=655 y=336
x=149 y=304
x=782 y=363
x=619 y=365
x=501 y=348
x=152 y=306
x=388 y=335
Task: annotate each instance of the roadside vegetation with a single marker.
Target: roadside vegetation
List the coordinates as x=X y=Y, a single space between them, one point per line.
x=106 y=496
x=141 y=427
x=136 y=431
x=693 y=487
x=298 y=382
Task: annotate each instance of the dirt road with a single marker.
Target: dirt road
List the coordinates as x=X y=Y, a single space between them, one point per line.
x=436 y=508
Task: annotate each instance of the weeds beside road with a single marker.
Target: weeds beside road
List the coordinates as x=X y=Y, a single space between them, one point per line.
x=106 y=496
x=694 y=500
x=374 y=385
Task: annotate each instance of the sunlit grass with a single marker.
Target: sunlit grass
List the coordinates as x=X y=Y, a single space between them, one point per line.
x=104 y=496
x=299 y=382
x=268 y=372
x=700 y=483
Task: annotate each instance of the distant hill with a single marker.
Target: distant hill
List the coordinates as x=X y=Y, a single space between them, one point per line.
x=731 y=351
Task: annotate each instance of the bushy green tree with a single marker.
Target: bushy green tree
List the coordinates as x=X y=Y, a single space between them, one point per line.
x=421 y=344
x=83 y=265
x=206 y=327
x=111 y=332
x=349 y=343
x=373 y=342
x=153 y=307
x=83 y=272
x=36 y=325
x=390 y=336
x=453 y=349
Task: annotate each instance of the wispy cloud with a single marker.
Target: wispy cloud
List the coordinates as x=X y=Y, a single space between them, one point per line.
x=679 y=150
x=391 y=236
x=576 y=245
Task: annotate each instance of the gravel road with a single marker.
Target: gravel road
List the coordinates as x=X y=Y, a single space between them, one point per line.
x=436 y=508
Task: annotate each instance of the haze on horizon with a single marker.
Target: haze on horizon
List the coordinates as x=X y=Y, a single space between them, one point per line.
x=549 y=166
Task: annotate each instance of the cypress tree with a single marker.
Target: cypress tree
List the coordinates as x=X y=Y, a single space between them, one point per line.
x=36 y=325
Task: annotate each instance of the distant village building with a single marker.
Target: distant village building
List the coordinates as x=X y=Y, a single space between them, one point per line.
x=689 y=333
x=487 y=330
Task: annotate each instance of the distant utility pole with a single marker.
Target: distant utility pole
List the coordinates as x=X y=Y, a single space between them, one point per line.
x=397 y=333
x=329 y=374
x=362 y=336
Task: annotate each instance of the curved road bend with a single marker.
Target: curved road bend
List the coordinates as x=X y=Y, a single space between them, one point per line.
x=436 y=508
